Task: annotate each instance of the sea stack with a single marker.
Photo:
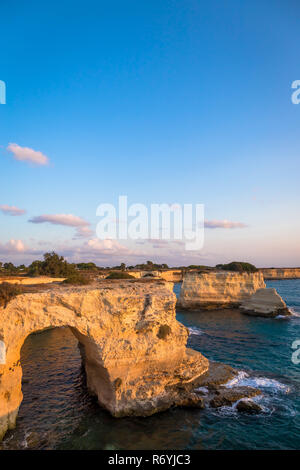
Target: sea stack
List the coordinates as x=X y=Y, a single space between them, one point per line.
x=218 y=289
x=265 y=303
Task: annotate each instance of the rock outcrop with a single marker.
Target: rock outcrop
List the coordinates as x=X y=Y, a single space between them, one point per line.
x=246 y=405
x=170 y=275
x=218 y=289
x=265 y=303
x=22 y=280
x=281 y=273
x=133 y=348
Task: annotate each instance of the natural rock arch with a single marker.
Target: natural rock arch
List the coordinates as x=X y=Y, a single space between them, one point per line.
x=134 y=350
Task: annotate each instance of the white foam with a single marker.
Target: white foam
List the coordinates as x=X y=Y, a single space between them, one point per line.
x=294 y=312
x=201 y=389
x=195 y=331
x=242 y=379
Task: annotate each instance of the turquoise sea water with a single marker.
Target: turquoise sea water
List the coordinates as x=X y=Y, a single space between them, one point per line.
x=58 y=413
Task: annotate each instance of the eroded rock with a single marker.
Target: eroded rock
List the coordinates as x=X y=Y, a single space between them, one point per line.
x=228 y=396
x=218 y=289
x=134 y=350
x=248 y=406
x=265 y=303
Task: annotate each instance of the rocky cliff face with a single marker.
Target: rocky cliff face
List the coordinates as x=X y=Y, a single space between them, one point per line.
x=30 y=280
x=281 y=273
x=218 y=289
x=171 y=275
x=134 y=349
x=265 y=303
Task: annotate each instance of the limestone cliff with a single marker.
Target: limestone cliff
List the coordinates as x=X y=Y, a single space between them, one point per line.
x=281 y=273
x=134 y=349
x=170 y=275
x=22 y=280
x=217 y=289
x=265 y=303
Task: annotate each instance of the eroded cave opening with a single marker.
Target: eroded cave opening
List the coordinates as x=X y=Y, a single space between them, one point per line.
x=55 y=393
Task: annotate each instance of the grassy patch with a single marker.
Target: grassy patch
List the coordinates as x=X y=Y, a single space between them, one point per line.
x=119 y=275
x=7 y=292
x=76 y=279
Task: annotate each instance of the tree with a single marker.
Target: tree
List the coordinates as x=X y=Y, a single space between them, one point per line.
x=10 y=268
x=53 y=265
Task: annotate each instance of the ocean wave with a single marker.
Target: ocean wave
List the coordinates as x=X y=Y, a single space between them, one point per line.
x=263 y=383
x=195 y=331
x=294 y=312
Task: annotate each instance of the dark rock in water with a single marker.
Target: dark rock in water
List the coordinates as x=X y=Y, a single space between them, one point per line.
x=228 y=396
x=191 y=401
x=248 y=406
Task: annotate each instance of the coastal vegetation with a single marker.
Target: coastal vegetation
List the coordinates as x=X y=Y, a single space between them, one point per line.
x=7 y=292
x=238 y=266
x=53 y=265
x=119 y=275
x=77 y=279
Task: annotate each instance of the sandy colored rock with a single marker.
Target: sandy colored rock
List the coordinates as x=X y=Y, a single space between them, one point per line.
x=171 y=275
x=133 y=348
x=22 y=280
x=281 y=273
x=218 y=289
x=265 y=303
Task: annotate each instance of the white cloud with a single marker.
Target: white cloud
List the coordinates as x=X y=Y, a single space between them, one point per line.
x=27 y=154
x=13 y=246
x=69 y=220
x=223 y=224
x=11 y=210
x=107 y=246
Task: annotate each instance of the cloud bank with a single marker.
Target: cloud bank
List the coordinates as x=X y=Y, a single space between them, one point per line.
x=13 y=246
x=223 y=224
x=28 y=155
x=11 y=210
x=68 y=220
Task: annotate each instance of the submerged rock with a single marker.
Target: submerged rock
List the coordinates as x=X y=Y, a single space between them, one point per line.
x=248 y=406
x=228 y=396
x=265 y=303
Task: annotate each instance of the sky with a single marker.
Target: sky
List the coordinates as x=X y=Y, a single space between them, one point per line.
x=164 y=102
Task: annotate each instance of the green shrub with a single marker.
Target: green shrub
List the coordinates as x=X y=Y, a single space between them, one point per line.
x=164 y=331
x=76 y=279
x=119 y=275
x=238 y=266
x=7 y=292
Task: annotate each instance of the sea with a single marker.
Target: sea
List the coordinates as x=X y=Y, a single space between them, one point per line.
x=58 y=413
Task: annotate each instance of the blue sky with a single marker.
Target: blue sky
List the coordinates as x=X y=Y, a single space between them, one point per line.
x=174 y=101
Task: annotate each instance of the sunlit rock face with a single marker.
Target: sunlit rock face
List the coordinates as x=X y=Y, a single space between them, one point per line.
x=281 y=273
x=218 y=289
x=170 y=275
x=265 y=303
x=133 y=348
